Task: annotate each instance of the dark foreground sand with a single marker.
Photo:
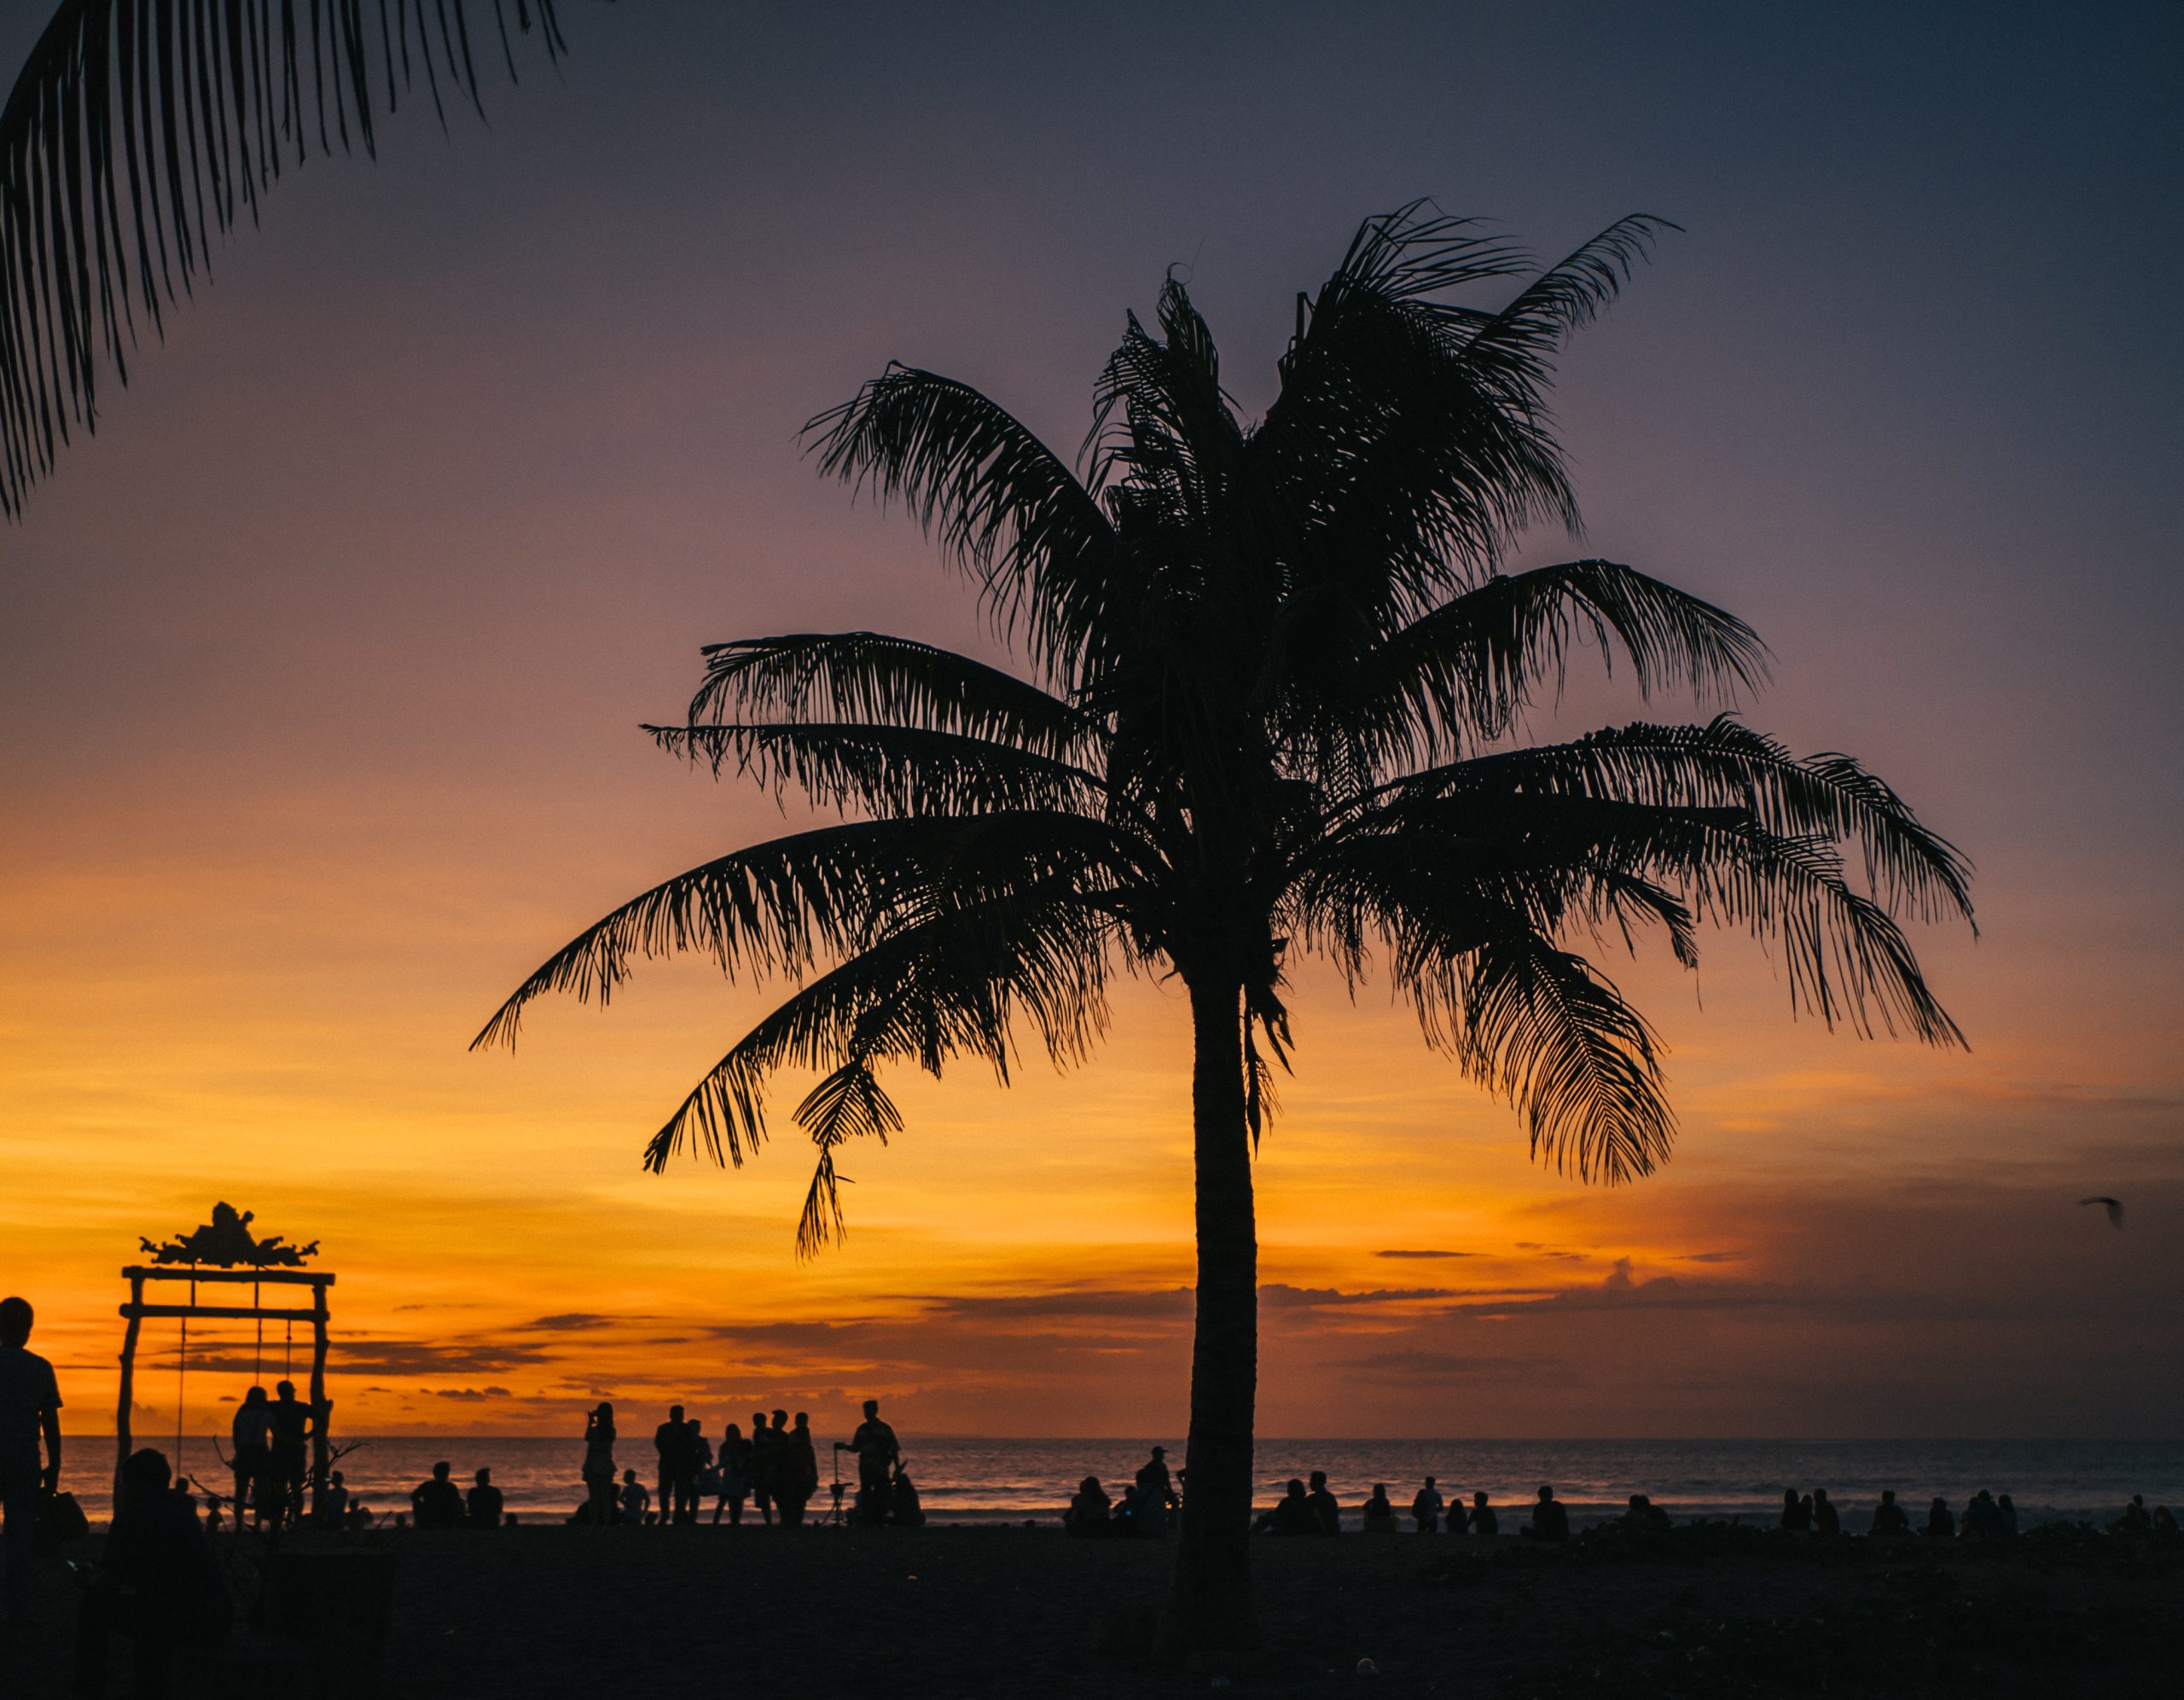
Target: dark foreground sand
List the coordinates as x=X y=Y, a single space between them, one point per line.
x=623 y=1613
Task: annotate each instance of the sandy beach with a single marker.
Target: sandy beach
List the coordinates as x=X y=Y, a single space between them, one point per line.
x=1015 y=1612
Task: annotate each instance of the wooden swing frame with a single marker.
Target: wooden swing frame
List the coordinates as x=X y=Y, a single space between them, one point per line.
x=136 y=1311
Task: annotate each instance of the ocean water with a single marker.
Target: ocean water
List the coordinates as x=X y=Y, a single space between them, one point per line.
x=964 y=1479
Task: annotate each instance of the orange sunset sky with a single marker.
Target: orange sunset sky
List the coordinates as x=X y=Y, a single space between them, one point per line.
x=321 y=669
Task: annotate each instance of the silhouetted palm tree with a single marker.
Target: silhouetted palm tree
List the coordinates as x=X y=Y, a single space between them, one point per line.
x=138 y=128
x=1276 y=672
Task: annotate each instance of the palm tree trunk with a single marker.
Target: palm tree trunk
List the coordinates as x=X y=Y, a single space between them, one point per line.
x=1209 y=1608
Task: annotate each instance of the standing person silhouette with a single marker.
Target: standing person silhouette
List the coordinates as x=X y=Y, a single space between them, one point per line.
x=797 y=1472
x=678 y=1466
x=1153 y=1475
x=250 y=1435
x=290 y=1421
x=877 y=1452
x=735 y=1474
x=765 y=1453
x=701 y=1467
x=29 y=1410
x=599 y=1464
x=1425 y=1507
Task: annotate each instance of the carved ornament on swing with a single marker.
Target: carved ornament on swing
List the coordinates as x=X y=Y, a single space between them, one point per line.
x=226 y=1243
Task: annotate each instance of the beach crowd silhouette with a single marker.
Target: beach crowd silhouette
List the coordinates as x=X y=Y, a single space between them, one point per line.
x=158 y=1583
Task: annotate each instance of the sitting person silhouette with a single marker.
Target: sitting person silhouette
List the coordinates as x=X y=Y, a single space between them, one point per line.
x=484 y=1502
x=2134 y=1520
x=634 y=1499
x=1979 y=1518
x=1091 y=1513
x=1797 y=1514
x=1824 y=1518
x=905 y=1510
x=1550 y=1521
x=1640 y=1513
x=437 y=1504
x=1888 y=1517
x=333 y=1503
x=2164 y=1520
x=1292 y=1514
x=1324 y=1505
x=157 y=1582
x=1483 y=1520
x=2004 y=1517
x=1941 y=1523
x=1379 y=1514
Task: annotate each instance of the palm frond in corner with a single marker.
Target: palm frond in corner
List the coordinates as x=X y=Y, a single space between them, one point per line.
x=138 y=130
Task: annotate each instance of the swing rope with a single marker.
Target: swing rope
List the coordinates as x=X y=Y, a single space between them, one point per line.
x=181 y=1374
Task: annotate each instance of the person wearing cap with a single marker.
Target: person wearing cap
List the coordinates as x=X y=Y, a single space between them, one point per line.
x=1153 y=1475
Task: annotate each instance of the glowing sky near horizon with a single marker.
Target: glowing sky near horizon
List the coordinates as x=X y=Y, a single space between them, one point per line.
x=320 y=668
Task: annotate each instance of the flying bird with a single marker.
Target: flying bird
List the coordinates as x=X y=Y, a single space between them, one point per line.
x=2114 y=1207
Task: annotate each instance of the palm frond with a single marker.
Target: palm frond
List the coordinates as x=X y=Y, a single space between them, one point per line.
x=1517 y=344
x=1846 y=957
x=848 y=1104
x=888 y=769
x=1472 y=664
x=1552 y=1034
x=951 y=981
x=1725 y=763
x=1439 y=876
x=1591 y=857
x=1418 y=251
x=863 y=676
x=774 y=908
x=1164 y=443
x=138 y=130
x=999 y=501
x=1456 y=677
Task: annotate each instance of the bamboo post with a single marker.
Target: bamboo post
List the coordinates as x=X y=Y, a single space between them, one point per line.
x=320 y=1454
x=128 y=1377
